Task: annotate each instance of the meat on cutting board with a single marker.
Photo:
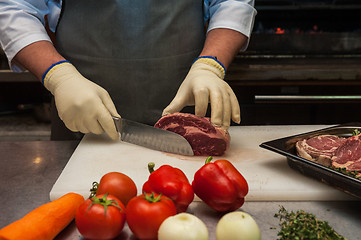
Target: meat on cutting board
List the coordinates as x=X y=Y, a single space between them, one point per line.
x=348 y=155
x=319 y=149
x=204 y=138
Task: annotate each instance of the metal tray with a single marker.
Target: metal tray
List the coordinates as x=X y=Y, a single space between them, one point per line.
x=286 y=146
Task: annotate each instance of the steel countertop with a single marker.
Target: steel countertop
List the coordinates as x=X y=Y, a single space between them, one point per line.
x=28 y=170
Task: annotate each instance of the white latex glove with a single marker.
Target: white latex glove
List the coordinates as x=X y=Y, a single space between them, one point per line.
x=203 y=84
x=82 y=105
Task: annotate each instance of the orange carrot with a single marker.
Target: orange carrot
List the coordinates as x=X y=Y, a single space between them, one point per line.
x=44 y=222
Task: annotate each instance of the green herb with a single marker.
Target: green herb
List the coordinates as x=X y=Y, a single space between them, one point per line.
x=355 y=174
x=303 y=225
x=355 y=132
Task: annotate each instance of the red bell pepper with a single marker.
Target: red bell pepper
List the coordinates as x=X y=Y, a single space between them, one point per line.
x=171 y=182
x=220 y=185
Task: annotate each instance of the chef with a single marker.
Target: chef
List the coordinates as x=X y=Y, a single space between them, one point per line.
x=140 y=59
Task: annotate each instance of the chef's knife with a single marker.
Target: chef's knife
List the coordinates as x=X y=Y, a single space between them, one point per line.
x=151 y=137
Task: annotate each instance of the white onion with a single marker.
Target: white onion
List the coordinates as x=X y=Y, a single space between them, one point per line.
x=237 y=226
x=183 y=226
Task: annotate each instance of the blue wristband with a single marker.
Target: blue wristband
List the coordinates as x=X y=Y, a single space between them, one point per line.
x=53 y=65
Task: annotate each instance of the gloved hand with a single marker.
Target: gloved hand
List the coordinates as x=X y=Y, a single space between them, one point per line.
x=82 y=105
x=203 y=84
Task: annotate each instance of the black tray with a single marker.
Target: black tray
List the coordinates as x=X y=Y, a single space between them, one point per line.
x=286 y=146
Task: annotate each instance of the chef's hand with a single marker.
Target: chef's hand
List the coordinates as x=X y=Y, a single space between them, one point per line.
x=82 y=105
x=203 y=84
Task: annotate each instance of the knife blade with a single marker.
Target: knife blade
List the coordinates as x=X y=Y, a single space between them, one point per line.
x=151 y=137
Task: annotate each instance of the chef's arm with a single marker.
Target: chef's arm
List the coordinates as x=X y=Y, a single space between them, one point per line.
x=204 y=83
x=224 y=44
x=82 y=105
x=38 y=57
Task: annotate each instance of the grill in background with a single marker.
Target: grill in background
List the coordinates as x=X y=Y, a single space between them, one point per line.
x=303 y=64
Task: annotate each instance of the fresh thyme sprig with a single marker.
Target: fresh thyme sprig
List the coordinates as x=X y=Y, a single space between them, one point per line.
x=355 y=174
x=355 y=132
x=302 y=225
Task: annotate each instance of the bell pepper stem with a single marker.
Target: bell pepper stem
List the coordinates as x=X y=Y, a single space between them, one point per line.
x=209 y=159
x=151 y=166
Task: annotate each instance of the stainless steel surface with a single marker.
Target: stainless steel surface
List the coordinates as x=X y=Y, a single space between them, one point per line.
x=29 y=169
x=23 y=126
x=153 y=138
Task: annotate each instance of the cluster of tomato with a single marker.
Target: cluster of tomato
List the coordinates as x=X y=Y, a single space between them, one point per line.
x=167 y=192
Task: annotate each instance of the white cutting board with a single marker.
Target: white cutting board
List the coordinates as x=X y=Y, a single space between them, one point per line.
x=267 y=173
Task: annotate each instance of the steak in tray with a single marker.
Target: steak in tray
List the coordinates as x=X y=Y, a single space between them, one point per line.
x=319 y=149
x=331 y=155
x=332 y=151
x=348 y=155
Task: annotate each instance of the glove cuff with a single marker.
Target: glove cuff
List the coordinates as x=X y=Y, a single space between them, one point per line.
x=58 y=73
x=212 y=61
x=52 y=68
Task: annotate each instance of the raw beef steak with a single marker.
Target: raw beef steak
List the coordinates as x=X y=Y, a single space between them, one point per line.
x=349 y=154
x=319 y=149
x=204 y=138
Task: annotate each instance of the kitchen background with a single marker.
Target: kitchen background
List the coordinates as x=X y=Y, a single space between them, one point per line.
x=302 y=66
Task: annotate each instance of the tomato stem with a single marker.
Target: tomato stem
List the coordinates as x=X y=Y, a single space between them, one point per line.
x=104 y=202
x=151 y=198
x=94 y=189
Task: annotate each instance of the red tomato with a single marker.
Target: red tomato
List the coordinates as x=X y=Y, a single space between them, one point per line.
x=119 y=185
x=101 y=217
x=145 y=213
